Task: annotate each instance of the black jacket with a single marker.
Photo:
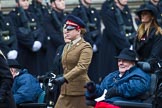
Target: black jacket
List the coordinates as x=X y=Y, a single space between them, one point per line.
x=6 y=81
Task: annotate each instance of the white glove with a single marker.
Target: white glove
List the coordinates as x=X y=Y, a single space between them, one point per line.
x=36 y=46
x=12 y=54
x=94 y=48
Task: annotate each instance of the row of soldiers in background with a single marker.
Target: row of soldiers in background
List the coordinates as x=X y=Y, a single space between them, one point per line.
x=31 y=35
x=38 y=29
x=8 y=42
x=39 y=33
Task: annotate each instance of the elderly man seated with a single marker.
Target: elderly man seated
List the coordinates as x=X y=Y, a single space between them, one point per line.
x=25 y=88
x=127 y=83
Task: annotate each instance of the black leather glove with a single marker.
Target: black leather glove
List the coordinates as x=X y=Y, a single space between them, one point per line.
x=59 y=80
x=91 y=86
x=112 y=92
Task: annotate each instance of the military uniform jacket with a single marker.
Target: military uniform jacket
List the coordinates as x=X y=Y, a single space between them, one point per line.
x=75 y=63
x=29 y=30
x=112 y=29
x=25 y=36
x=8 y=38
x=113 y=41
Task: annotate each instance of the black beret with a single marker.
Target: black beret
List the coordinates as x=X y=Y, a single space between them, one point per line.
x=74 y=20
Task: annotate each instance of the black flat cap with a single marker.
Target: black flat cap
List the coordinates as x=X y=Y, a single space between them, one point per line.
x=13 y=64
x=127 y=54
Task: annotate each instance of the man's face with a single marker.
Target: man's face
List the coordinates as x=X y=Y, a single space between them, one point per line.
x=24 y=4
x=124 y=65
x=13 y=72
x=59 y=4
x=88 y=1
x=123 y=2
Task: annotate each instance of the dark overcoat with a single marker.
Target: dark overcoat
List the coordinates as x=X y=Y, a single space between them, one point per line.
x=54 y=34
x=113 y=40
x=6 y=81
x=26 y=36
x=8 y=40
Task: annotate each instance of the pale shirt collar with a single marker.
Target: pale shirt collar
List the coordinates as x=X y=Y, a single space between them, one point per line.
x=76 y=40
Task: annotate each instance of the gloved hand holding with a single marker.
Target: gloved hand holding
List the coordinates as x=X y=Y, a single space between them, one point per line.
x=91 y=86
x=112 y=92
x=59 y=80
x=36 y=46
x=12 y=54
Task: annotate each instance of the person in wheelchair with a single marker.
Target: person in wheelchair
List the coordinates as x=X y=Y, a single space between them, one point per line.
x=129 y=82
x=25 y=87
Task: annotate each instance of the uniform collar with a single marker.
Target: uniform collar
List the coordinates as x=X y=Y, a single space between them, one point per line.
x=76 y=40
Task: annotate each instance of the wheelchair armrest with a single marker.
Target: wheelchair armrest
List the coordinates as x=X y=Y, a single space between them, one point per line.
x=33 y=105
x=129 y=104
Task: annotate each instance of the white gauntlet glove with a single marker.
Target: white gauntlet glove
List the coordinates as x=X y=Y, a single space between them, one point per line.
x=94 y=48
x=36 y=46
x=12 y=54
